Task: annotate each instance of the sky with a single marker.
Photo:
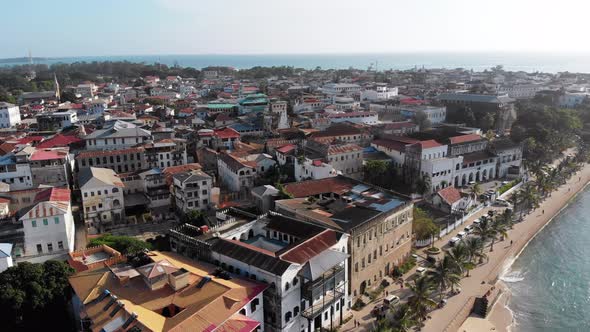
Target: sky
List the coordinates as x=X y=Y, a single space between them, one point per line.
x=147 y=27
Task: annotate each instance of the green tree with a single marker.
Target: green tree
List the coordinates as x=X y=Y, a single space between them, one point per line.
x=31 y=292
x=126 y=245
x=474 y=247
x=421 y=302
x=373 y=170
x=461 y=257
x=194 y=217
x=421 y=119
x=68 y=96
x=444 y=275
x=423 y=225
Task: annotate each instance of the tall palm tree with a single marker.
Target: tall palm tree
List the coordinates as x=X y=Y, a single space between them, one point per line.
x=444 y=275
x=403 y=318
x=506 y=218
x=460 y=256
x=474 y=247
x=483 y=229
x=498 y=229
x=421 y=301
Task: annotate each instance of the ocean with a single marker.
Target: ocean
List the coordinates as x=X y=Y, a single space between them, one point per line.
x=550 y=280
x=550 y=63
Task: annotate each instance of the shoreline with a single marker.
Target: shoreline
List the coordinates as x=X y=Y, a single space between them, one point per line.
x=504 y=320
x=487 y=277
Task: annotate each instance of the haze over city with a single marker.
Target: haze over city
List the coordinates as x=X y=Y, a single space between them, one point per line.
x=137 y=27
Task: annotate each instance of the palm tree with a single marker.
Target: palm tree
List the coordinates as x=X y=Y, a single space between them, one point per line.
x=498 y=229
x=460 y=256
x=476 y=189
x=444 y=275
x=506 y=218
x=474 y=247
x=421 y=301
x=403 y=318
x=483 y=229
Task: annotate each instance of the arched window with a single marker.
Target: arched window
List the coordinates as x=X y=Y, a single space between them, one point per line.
x=288 y=316
x=295 y=281
x=287 y=286
x=296 y=311
x=115 y=190
x=116 y=203
x=243 y=312
x=230 y=268
x=254 y=304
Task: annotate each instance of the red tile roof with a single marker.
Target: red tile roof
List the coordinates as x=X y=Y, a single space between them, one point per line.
x=429 y=144
x=58 y=140
x=48 y=154
x=449 y=194
x=338 y=185
x=391 y=144
x=343 y=148
x=30 y=139
x=53 y=195
x=286 y=148
x=311 y=247
x=465 y=138
x=226 y=133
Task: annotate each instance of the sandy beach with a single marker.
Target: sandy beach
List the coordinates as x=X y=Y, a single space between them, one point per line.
x=485 y=278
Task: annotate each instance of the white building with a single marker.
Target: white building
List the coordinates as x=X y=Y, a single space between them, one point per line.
x=380 y=92
x=5 y=256
x=341 y=89
x=102 y=198
x=118 y=135
x=49 y=225
x=192 y=191
x=434 y=114
x=54 y=121
x=9 y=115
x=313 y=169
x=369 y=118
x=16 y=171
x=236 y=174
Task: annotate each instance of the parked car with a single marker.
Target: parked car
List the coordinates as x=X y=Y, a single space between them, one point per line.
x=502 y=202
x=461 y=235
x=390 y=300
x=454 y=241
x=421 y=270
x=468 y=229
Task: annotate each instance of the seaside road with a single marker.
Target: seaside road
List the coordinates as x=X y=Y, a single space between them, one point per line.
x=484 y=277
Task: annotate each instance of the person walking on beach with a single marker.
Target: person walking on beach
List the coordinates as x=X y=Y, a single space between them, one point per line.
x=543 y=211
x=510 y=242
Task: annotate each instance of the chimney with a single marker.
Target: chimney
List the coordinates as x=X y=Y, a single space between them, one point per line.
x=111 y=302
x=119 y=306
x=129 y=321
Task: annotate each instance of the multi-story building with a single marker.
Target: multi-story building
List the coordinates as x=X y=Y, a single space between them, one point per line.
x=434 y=114
x=54 y=121
x=508 y=158
x=368 y=118
x=168 y=293
x=236 y=174
x=379 y=225
x=192 y=191
x=16 y=171
x=118 y=135
x=86 y=90
x=345 y=158
x=9 y=115
x=254 y=103
x=48 y=224
x=380 y=92
x=304 y=265
x=166 y=153
x=102 y=198
x=51 y=167
x=341 y=89
x=121 y=161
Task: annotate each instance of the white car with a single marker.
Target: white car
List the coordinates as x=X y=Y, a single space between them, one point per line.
x=454 y=241
x=421 y=270
x=461 y=234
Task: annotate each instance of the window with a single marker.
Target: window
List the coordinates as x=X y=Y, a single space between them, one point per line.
x=49 y=247
x=254 y=304
x=115 y=190
x=45 y=222
x=288 y=317
x=56 y=220
x=60 y=245
x=34 y=223
x=296 y=311
x=39 y=248
x=295 y=281
x=287 y=286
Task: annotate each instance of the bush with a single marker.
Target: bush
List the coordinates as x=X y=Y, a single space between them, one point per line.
x=126 y=245
x=507 y=186
x=358 y=305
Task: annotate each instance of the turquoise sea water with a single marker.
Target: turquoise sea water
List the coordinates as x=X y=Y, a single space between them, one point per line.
x=550 y=280
x=477 y=61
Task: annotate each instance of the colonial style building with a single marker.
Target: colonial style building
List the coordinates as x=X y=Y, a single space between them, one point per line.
x=102 y=198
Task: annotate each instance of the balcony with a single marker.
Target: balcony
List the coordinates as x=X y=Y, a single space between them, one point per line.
x=322 y=304
x=329 y=280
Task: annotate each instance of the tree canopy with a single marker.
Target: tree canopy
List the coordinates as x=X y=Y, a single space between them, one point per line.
x=423 y=225
x=31 y=294
x=126 y=245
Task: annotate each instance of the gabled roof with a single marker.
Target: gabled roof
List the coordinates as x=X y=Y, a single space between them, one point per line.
x=311 y=247
x=58 y=140
x=157 y=269
x=450 y=195
x=251 y=255
x=465 y=138
x=104 y=176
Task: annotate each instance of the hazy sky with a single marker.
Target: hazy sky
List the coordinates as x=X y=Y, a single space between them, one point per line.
x=140 y=27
